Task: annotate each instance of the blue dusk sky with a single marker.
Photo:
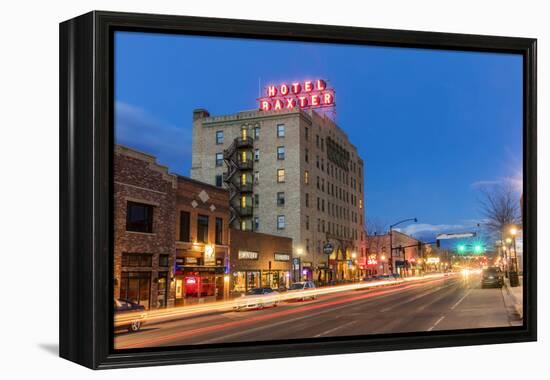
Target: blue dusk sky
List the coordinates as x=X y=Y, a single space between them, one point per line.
x=432 y=127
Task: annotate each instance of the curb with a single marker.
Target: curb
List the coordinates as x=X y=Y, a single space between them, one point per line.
x=516 y=305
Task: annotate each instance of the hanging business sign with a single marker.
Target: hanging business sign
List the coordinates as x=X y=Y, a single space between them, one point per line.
x=302 y=95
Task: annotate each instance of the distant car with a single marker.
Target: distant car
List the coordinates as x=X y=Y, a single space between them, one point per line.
x=125 y=308
x=370 y=278
x=493 y=277
x=257 y=298
x=299 y=287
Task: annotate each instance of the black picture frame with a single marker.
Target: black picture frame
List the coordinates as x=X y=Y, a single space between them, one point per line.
x=86 y=156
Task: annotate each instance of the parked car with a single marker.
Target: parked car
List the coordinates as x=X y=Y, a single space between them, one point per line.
x=124 y=308
x=302 y=287
x=492 y=276
x=257 y=298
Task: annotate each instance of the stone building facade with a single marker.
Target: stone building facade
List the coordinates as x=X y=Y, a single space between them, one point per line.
x=305 y=182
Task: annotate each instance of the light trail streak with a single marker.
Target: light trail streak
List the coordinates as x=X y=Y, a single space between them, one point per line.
x=222 y=306
x=259 y=318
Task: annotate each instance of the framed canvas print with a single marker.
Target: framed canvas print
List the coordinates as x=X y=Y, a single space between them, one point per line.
x=238 y=189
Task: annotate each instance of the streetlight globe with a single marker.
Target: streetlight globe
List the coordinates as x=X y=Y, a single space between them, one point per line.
x=299 y=251
x=513 y=231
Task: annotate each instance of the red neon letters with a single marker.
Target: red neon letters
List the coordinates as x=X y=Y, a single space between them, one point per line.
x=308 y=94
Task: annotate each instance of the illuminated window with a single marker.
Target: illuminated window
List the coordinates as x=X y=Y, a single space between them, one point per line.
x=280 y=152
x=306 y=177
x=280 y=130
x=243 y=201
x=219 y=137
x=280 y=175
x=219 y=159
x=244 y=133
x=243 y=179
x=244 y=156
x=280 y=222
x=360 y=203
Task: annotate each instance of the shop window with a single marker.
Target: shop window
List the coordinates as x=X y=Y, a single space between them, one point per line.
x=202 y=228
x=136 y=287
x=162 y=289
x=139 y=217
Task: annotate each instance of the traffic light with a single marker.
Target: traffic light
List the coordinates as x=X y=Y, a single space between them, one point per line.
x=478 y=248
x=461 y=248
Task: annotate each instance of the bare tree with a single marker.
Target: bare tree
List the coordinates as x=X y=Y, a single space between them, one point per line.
x=500 y=207
x=376 y=226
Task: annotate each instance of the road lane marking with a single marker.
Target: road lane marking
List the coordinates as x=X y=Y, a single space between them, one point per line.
x=460 y=300
x=203 y=330
x=436 y=323
x=409 y=300
x=335 y=329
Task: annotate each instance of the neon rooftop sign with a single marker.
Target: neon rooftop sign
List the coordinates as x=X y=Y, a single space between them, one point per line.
x=303 y=95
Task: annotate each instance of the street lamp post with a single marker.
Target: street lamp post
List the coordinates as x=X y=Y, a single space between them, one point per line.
x=391 y=241
x=514 y=280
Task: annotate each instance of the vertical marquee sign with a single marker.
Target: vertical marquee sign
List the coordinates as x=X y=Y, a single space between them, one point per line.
x=303 y=95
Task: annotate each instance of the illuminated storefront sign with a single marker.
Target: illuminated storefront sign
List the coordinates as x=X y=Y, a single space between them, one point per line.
x=303 y=95
x=282 y=257
x=248 y=255
x=433 y=260
x=372 y=260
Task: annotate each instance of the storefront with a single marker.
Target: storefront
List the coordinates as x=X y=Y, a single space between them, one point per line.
x=259 y=260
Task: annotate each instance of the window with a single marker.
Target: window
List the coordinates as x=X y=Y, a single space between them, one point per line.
x=306 y=131
x=136 y=260
x=219 y=180
x=202 y=228
x=219 y=137
x=243 y=201
x=306 y=177
x=256 y=177
x=256 y=155
x=280 y=175
x=307 y=222
x=256 y=133
x=280 y=130
x=244 y=133
x=139 y=217
x=256 y=223
x=163 y=260
x=280 y=222
x=281 y=198
x=306 y=155
x=280 y=152
x=307 y=199
x=219 y=159
x=219 y=230
x=184 y=226
x=256 y=200
x=136 y=287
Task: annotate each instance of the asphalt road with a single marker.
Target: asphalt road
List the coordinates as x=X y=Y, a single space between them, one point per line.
x=446 y=303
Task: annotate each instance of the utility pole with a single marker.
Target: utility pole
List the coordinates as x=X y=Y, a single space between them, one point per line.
x=391 y=240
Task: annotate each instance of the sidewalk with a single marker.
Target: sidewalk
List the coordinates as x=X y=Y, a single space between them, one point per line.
x=513 y=299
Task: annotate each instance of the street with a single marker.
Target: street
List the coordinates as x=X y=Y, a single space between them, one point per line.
x=445 y=303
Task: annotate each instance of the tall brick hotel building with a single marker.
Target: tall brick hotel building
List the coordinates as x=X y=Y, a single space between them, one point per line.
x=291 y=173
